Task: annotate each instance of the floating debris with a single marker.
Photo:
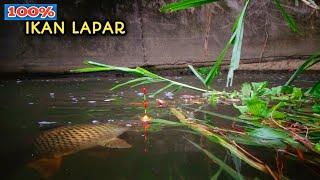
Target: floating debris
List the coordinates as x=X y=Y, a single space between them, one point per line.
x=95 y=121
x=186 y=96
x=169 y=95
x=18 y=81
x=161 y=103
x=92 y=102
x=108 y=100
x=140 y=94
x=51 y=95
x=110 y=120
x=128 y=125
x=82 y=98
x=46 y=123
x=30 y=103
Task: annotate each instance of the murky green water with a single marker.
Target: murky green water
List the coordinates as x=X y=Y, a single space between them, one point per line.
x=161 y=155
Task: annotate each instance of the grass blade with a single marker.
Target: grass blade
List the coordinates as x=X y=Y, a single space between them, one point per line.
x=220 y=140
x=146 y=82
x=290 y=21
x=184 y=4
x=140 y=71
x=308 y=63
x=216 y=160
x=129 y=82
x=236 y=52
x=160 y=90
x=195 y=72
x=215 y=70
x=90 y=69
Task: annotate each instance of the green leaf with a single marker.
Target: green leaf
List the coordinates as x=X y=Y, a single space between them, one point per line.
x=286 y=89
x=195 y=72
x=90 y=69
x=253 y=141
x=147 y=82
x=204 y=71
x=296 y=93
x=316 y=108
x=259 y=88
x=222 y=164
x=269 y=133
x=315 y=90
x=317 y=147
x=213 y=98
x=235 y=39
x=184 y=4
x=242 y=109
x=308 y=63
x=246 y=90
x=148 y=73
x=166 y=122
x=275 y=91
x=257 y=107
x=160 y=90
x=290 y=21
x=215 y=69
x=237 y=44
x=130 y=82
x=277 y=114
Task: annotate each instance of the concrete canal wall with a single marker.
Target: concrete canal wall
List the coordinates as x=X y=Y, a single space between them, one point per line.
x=163 y=40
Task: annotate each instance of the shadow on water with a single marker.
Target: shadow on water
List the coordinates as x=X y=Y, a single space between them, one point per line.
x=63 y=106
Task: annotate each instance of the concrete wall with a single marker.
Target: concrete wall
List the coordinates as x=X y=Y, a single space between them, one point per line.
x=154 y=38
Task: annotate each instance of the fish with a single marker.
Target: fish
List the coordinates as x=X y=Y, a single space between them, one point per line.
x=52 y=145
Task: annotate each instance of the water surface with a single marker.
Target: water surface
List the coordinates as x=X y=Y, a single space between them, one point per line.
x=162 y=155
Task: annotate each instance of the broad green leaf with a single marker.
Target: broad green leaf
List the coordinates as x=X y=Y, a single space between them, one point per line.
x=269 y=133
x=246 y=90
x=315 y=90
x=213 y=98
x=242 y=109
x=278 y=115
x=290 y=21
x=253 y=141
x=184 y=4
x=317 y=147
x=259 y=88
x=275 y=91
x=257 y=107
x=316 y=108
x=204 y=71
x=296 y=94
x=286 y=89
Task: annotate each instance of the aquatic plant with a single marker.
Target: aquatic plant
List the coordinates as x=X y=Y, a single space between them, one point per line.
x=275 y=118
x=285 y=118
x=236 y=37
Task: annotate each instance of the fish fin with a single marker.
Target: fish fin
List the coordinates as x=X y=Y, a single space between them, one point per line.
x=116 y=143
x=46 y=166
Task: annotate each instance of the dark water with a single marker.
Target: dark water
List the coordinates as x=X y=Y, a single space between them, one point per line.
x=161 y=155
